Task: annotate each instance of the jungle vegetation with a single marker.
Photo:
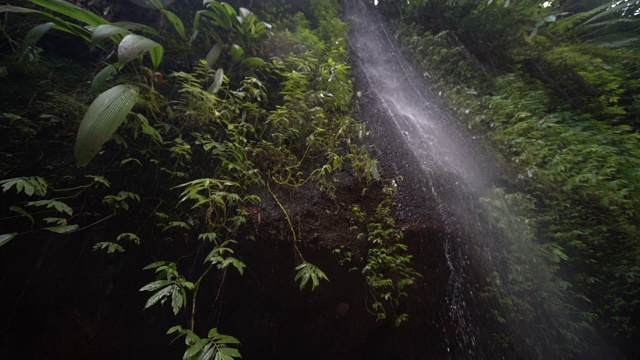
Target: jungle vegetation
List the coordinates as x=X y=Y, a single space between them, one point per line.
x=553 y=88
x=172 y=124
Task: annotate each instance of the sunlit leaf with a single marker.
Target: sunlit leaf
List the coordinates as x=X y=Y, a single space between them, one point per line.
x=244 y=12
x=158 y=296
x=155 y=285
x=176 y=300
x=101 y=121
x=104 y=31
x=134 y=45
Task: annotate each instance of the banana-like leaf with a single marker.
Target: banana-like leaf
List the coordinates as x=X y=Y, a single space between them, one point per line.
x=60 y=24
x=101 y=121
x=176 y=22
x=102 y=76
x=104 y=31
x=134 y=45
x=213 y=55
x=34 y=35
x=72 y=11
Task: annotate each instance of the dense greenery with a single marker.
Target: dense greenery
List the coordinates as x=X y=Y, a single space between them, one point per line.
x=555 y=87
x=189 y=130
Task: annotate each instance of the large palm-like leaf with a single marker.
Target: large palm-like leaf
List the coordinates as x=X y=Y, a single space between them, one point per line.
x=101 y=121
x=134 y=45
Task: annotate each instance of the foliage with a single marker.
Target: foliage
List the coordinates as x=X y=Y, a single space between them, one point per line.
x=201 y=132
x=562 y=113
x=388 y=270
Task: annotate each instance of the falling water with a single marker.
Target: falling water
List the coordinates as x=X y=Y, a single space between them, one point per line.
x=459 y=174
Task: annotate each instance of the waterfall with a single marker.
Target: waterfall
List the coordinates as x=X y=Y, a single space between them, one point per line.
x=529 y=310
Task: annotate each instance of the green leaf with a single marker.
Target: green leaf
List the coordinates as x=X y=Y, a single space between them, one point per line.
x=62 y=24
x=230 y=352
x=102 y=76
x=130 y=237
x=153 y=286
x=72 y=11
x=306 y=272
x=3 y=72
x=217 y=81
x=195 y=348
x=236 y=53
x=104 y=31
x=100 y=179
x=173 y=329
x=207 y=352
x=158 y=295
x=110 y=246
x=62 y=229
x=5 y=238
x=22 y=212
x=134 y=45
x=176 y=22
x=213 y=55
x=176 y=300
x=101 y=121
x=154 y=265
x=34 y=35
x=253 y=61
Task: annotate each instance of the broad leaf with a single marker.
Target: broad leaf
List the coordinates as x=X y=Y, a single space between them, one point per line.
x=134 y=45
x=153 y=286
x=61 y=24
x=72 y=11
x=62 y=229
x=34 y=35
x=104 y=31
x=213 y=55
x=159 y=295
x=176 y=22
x=236 y=53
x=102 y=76
x=176 y=300
x=253 y=61
x=101 y=121
x=217 y=81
